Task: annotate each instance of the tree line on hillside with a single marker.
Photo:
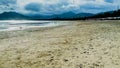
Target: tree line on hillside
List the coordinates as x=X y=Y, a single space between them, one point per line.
x=97 y=16
x=107 y=14
x=66 y=16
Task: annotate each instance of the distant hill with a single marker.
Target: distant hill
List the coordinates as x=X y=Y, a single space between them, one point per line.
x=66 y=15
x=12 y=15
x=71 y=15
x=115 y=13
x=18 y=16
x=63 y=16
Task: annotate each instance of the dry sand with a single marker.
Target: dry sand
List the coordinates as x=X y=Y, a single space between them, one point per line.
x=80 y=44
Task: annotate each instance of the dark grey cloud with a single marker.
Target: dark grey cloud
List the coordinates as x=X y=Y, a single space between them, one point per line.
x=35 y=7
x=109 y=1
x=7 y=2
x=7 y=5
x=96 y=9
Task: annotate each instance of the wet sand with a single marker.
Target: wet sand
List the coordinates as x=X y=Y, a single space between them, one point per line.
x=80 y=44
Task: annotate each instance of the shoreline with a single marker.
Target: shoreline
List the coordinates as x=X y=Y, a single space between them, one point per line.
x=26 y=24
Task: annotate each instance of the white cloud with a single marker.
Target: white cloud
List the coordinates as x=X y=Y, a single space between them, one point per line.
x=62 y=5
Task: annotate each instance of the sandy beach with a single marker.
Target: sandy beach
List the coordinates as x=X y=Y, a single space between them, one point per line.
x=80 y=44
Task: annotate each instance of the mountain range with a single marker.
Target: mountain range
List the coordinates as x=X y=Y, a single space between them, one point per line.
x=19 y=16
x=115 y=13
x=12 y=15
x=63 y=16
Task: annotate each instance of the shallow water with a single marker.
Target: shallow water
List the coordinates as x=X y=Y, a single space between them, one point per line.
x=23 y=24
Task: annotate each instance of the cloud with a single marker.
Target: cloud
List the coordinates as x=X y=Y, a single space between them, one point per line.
x=58 y=6
x=7 y=2
x=109 y=1
x=96 y=8
x=35 y=7
x=7 y=5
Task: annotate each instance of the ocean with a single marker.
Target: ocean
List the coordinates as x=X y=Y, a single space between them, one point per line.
x=7 y=25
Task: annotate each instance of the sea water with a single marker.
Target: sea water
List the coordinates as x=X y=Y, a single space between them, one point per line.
x=6 y=25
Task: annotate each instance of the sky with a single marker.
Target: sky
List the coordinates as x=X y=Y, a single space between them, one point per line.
x=49 y=7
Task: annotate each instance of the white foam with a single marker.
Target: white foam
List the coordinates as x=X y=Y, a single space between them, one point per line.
x=21 y=21
x=14 y=24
